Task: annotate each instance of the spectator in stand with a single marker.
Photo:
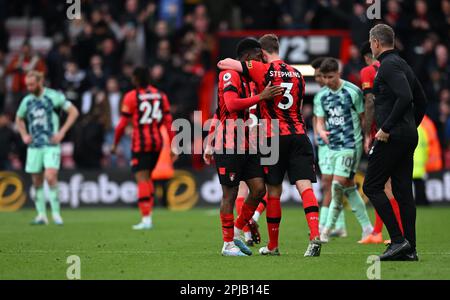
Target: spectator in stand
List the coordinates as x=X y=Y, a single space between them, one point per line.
x=85 y=46
x=90 y=133
x=353 y=67
x=133 y=45
x=160 y=78
x=155 y=35
x=96 y=75
x=74 y=83
x=438 y=71
x=8 y=140
x=163 y=54
x=422 y=58
x=124 y=78
x=111 y=54
x=331 y=14
x=421 y=23
x=444 y=20
x=23 y=62
x=4 y=37
x=56 y=61
x=2 y=82
x=444 y=118
x=395 y=17
x=114 y=97
x=359 y=24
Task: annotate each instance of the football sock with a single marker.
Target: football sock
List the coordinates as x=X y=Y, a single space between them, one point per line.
x=245 y=216
x=227 y=227
x=340 y=223
x=273 y=216
x=323 y=215
x=144 y=201
x=147 y=220
x=311 y=208
x=336 y=206
x=358 y=206
x=152 y=196
x=378 y=224
x=54 y=202
x=239 y=202
x=40 y=202
x=260 y=209
x=396 y=210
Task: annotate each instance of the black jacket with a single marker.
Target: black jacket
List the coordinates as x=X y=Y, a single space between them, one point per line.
x=400 y=102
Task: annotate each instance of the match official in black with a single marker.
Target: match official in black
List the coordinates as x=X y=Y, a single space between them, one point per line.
x=399 y=108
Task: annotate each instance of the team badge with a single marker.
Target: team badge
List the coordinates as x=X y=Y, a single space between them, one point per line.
x=232 y=176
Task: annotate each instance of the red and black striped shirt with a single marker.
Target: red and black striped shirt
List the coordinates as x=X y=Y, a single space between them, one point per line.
x=233 y=84
x=148 y=109
x=285 y=108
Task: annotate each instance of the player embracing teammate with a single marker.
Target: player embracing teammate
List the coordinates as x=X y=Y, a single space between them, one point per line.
x=234 y=160
x=296 y=155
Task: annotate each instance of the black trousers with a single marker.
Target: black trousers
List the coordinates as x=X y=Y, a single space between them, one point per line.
x=419 y=192
x=394 y=160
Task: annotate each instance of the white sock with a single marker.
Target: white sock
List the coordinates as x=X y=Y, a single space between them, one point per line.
x=256 y=216
x=147 y=220
x=368 y=229
x=248 y=236
x=228 y=244
x=237 y=233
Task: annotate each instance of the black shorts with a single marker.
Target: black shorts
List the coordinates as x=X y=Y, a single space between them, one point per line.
x=142 y=161
x=296 y=158
x=234 y=168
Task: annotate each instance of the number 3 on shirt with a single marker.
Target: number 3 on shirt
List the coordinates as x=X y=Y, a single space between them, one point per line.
x=150 y=113
x=287 y=94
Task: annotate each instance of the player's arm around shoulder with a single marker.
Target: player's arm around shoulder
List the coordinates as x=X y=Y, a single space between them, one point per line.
x=230 y=64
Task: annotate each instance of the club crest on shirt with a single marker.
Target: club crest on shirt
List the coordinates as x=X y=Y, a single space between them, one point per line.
x=232 y=176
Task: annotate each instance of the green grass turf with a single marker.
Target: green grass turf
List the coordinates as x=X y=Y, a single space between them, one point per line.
x=186 y=245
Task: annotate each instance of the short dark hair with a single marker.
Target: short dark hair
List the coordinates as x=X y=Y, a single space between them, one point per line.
x=317 y=62
x=247 y=46
x=270 y=43
x=384 y=34
x=329 y=65
x=365 y=49
x=142 y=75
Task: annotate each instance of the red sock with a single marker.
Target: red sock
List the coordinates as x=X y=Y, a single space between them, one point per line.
x=273 y=215
x=239 y=202
x=378 y=224
x=396 y=210
x=262 y=205
x=144 y=198
x=311 y=208
x=227 y=227
x=245 y=216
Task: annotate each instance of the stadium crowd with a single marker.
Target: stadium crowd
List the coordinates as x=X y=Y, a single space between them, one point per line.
x=91 y=59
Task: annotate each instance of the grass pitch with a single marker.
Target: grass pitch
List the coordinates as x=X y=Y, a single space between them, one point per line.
x=186 y=245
